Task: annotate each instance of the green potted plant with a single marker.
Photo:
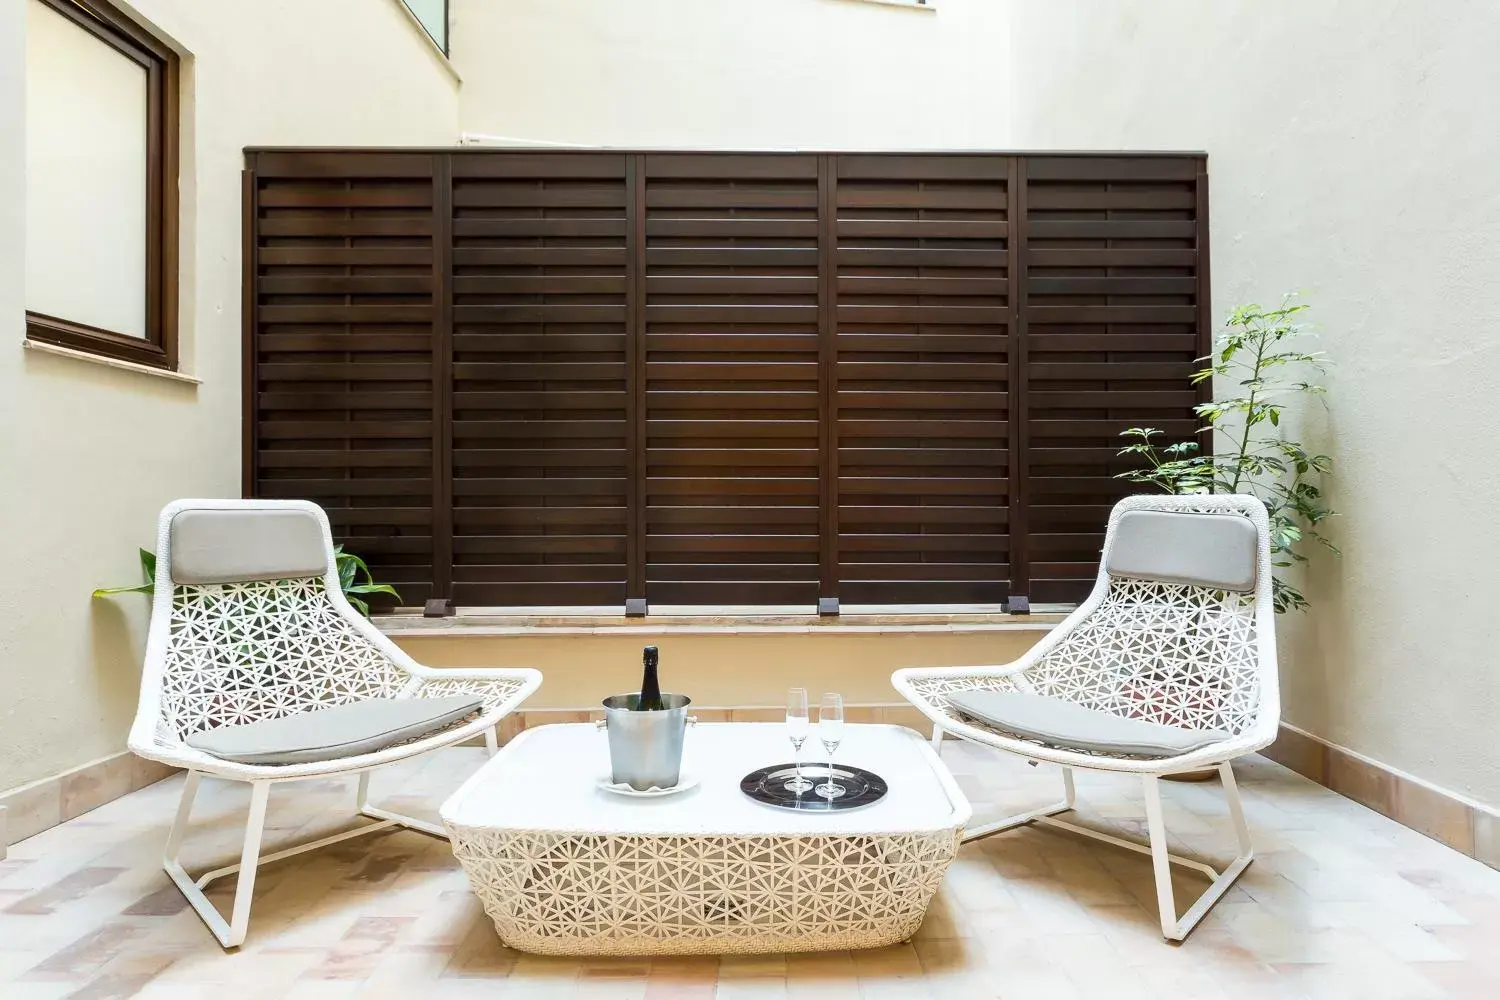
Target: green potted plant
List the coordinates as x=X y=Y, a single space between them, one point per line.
x=1259 y=359
x=351 y=568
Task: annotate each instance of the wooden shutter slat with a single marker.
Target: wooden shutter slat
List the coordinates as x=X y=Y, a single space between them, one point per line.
x=540 y=435
x=731 y=370
x=342 y=349
x=1112 y=314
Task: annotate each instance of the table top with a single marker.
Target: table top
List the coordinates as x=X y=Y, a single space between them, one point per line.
x=547 y=779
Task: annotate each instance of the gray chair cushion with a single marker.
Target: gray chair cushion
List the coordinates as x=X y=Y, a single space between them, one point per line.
x=1062 y=724
x=241 y=546
x=1220 y=551
x=331 y=733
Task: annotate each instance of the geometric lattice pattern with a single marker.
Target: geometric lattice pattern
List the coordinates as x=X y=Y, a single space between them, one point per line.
x=1178 y=655
x=493 y=692
x=231 y=653
x=557 y=893
x=1173 y=654
x=244 y=652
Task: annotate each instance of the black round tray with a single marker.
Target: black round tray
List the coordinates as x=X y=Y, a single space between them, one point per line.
x=768 y=785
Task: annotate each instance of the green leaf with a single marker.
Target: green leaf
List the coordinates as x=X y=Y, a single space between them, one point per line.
x=372 y=588
x=141 y=588
x=148 y=572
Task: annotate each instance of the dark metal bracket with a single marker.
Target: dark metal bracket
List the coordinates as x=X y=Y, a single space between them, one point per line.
x=828 y=607
x=635 y=607
x=438 y=607
x=1018 y=604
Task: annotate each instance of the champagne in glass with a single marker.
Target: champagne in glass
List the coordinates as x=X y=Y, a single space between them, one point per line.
x=797 y=728
x=831 y=732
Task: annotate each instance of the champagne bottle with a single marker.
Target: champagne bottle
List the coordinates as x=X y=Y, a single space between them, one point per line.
x=650 y=700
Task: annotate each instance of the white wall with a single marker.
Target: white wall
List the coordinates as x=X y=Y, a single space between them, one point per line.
x=89 y=454
x=1352 y=154
x=735 y=73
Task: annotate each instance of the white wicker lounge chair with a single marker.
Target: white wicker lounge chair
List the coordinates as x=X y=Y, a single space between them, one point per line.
x=1168 y=666
x=248 y=625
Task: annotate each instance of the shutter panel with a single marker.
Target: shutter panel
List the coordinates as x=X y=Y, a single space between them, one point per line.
x=1114 y=319
x=341 y=382
x=539 y=379
x=576 y=377
x=731 y=379
x=923 y=326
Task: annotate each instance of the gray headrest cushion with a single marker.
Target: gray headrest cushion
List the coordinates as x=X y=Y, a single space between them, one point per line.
x=240 y=546
x=1220 y=551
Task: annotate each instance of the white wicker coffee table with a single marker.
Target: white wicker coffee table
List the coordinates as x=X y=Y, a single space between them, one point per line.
x=566 y=868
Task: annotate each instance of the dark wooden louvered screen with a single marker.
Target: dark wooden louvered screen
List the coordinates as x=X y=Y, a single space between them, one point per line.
x=572 y=377
x=732 y=459
x=922 y=277
x=343 y=274
x=1112 y=293
x=541 y=435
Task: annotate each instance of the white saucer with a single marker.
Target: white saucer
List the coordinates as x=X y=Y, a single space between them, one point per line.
x=684 y=782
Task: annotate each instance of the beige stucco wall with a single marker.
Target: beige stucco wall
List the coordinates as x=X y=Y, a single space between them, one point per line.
x=1351 y=156
x=1352 y=150
x=734 y=73
x=89 y=454
x=725 y=668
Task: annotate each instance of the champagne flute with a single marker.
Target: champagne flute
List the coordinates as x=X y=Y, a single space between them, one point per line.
x=797 y=728
x=831 y=732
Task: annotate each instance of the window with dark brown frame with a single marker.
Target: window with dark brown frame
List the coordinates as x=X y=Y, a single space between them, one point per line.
x=158 y=346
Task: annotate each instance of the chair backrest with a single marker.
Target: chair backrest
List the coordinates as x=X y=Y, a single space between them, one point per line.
x=1180 y=627
x=245 y=545
x=248 y=620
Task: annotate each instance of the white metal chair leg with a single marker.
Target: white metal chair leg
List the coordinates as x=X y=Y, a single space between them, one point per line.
x=255 y=826
x=1173 y=928
x=937 y=739
x=389 y=817
x=180 y=822
x=231 y=933
x=1161 y=859
x=1033 y=816
x=492 y=740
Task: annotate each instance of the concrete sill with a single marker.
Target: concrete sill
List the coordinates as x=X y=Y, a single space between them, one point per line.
x=42 y=347
x=485 y=622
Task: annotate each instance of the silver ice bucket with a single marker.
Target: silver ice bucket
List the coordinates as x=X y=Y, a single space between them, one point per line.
x=645 y=748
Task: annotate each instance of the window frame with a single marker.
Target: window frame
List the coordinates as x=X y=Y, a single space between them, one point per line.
x=158 y=347
x=441 y=46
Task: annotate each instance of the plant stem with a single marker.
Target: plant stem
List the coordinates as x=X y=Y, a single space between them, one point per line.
x=1239 y=464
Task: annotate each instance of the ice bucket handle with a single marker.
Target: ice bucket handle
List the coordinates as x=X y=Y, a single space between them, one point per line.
x=603 y=724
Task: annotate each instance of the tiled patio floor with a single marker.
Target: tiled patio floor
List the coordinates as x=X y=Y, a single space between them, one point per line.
x=1341 y=903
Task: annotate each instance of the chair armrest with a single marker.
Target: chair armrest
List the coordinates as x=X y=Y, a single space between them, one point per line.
x=928 y=688
x=501 y=688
